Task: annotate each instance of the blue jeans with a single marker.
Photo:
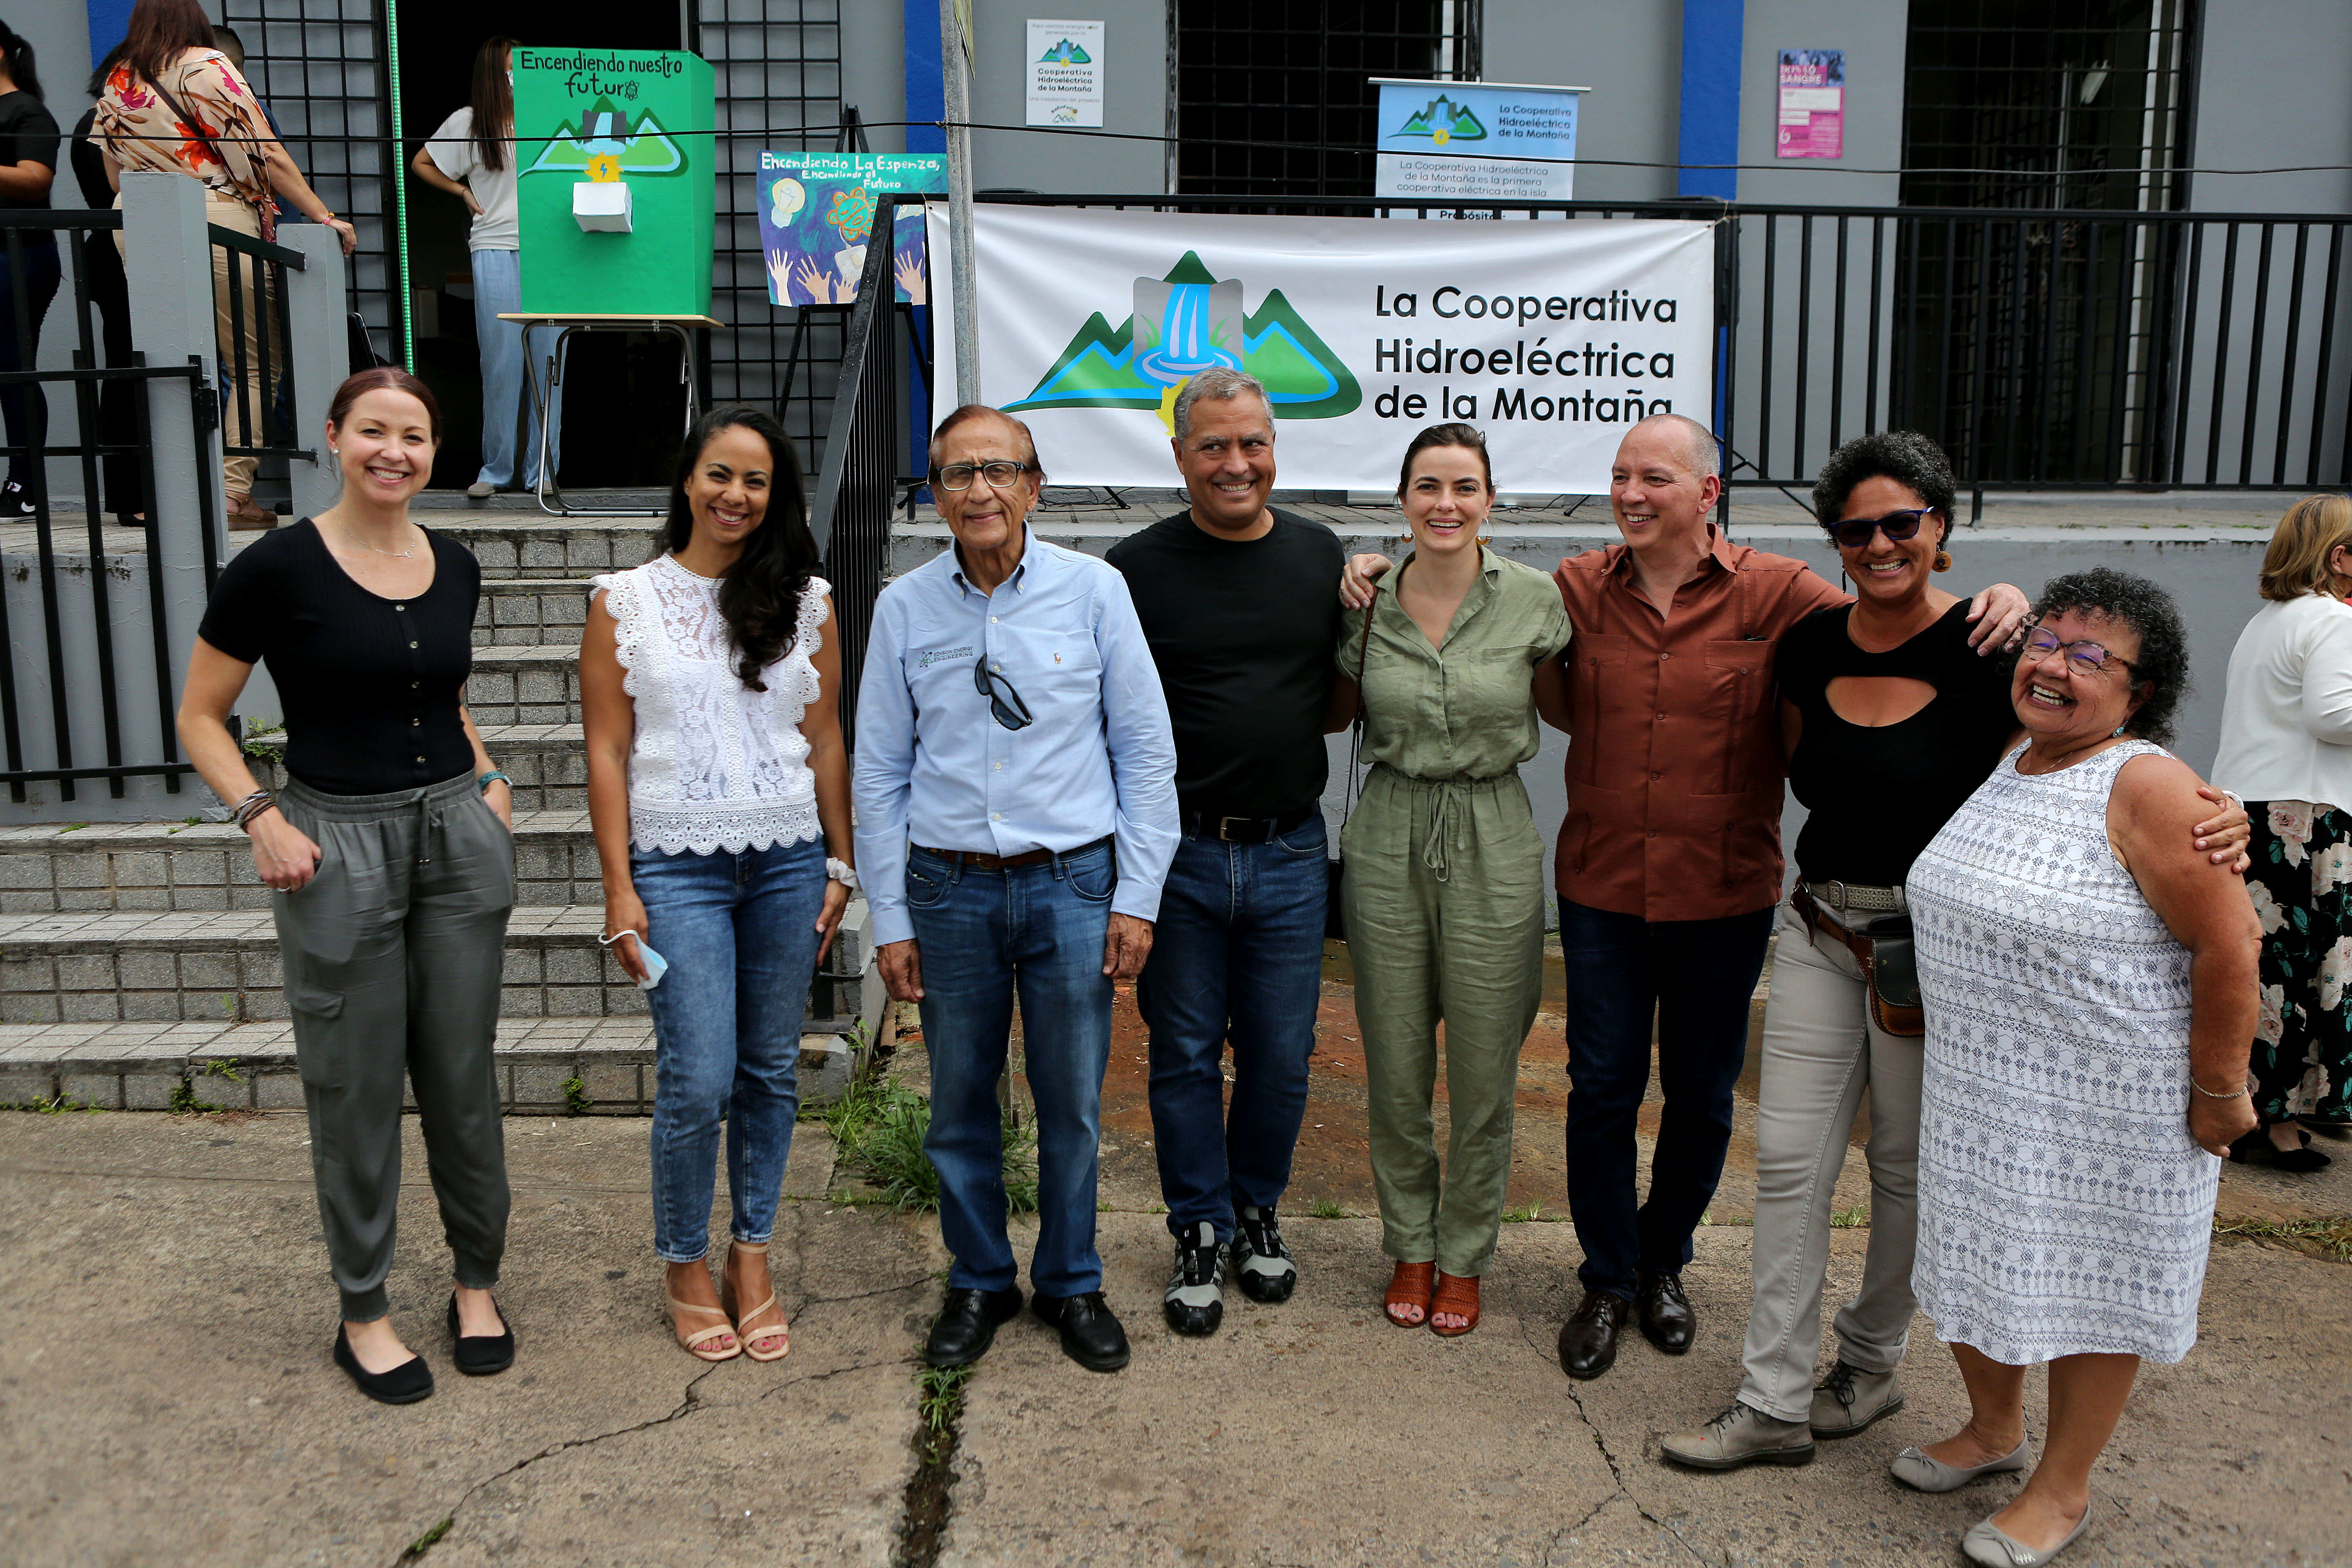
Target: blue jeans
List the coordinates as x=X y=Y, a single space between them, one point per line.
x=1696 y=980
x=497 y=286
x=22 y=403
x=1237 y=954
x=983 y=935
x=739 y=932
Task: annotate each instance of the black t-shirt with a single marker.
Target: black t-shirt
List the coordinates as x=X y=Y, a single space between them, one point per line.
x=1877 y=794
x=1243 y=635
x=89 y=164
x=28 y=135
x=371 y=686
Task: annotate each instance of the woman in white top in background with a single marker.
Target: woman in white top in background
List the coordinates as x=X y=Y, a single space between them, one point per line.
x=2286 y=747
x=718 y=786
x=477 y=146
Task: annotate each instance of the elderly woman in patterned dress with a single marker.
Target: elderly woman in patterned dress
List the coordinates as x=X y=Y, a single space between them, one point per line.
x=2090 y=995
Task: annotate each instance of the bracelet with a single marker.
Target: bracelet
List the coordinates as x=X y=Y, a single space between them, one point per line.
x=483 y=782
x=251 y=806
x=842 y=872
x=2209 y=1093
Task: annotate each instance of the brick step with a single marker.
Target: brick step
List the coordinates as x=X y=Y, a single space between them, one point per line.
x=525 y=683
x=168 y=867
x=222 y=967
x=597 y=1066
x=531 y=611
x=543 y=547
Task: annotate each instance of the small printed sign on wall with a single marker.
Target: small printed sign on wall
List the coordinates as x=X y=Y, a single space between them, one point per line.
x=1064 y=67
x=1813 y=104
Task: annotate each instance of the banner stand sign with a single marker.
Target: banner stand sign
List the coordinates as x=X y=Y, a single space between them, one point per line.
x=1551 y=338
x=1476 y=140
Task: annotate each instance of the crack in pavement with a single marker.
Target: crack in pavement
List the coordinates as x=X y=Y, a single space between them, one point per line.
x=1616 y=1472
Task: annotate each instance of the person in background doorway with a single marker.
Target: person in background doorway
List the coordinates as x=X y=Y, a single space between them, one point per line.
x=1235 y=598
x=232 y=43
x=718 y=788
x=2286 y=746
x=472 y=157
x=1443 y=899
x=175 y=105
x=28 y=268
x=118 y=416
x=390 y=857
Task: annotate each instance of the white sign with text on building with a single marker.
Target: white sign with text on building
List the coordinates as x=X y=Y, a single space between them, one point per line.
x=1064 y=73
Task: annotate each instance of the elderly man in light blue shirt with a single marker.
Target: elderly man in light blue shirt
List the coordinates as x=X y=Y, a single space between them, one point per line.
x=1016 y=814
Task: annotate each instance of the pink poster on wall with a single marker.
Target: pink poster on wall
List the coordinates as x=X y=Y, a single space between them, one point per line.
x=1812 y=103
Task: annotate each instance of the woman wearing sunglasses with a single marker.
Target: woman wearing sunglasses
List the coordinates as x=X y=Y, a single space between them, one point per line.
x=1891 y=722
x=718 y=789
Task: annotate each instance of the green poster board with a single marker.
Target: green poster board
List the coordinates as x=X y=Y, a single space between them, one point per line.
x=638 y=119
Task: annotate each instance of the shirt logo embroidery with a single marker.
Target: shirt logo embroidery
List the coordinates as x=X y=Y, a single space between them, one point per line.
x=940 y=656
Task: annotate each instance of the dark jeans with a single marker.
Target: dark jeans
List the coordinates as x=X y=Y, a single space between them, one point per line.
x=118 y=416
x=982 y=937
x=35 y=270
x=1696 y=980
x=1237 y=954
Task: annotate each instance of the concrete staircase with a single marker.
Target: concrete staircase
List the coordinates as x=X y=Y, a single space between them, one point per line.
x=138 y=966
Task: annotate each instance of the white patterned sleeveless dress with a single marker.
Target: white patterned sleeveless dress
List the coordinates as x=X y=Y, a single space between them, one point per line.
x=2064 y=1209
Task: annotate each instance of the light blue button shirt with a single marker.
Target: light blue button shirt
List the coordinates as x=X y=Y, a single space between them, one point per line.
x=933 y=765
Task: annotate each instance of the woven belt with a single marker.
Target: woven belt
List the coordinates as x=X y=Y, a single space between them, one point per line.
x=972 y=860
x=1852 y=896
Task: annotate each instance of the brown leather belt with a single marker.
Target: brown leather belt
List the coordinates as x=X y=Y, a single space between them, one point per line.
x=972 y=860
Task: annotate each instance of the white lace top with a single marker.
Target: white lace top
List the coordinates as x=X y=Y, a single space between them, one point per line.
x=715 y=765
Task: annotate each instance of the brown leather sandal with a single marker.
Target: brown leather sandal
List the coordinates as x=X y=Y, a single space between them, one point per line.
x=1456 y=1295
x=1409 y=1287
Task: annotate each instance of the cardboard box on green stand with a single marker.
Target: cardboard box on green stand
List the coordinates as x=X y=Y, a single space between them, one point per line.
x=638 y=117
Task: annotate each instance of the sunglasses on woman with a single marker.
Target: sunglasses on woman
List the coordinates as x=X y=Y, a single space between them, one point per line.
x=1854 y=532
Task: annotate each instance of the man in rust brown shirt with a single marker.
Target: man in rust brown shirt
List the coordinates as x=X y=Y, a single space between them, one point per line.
x=1668 y=866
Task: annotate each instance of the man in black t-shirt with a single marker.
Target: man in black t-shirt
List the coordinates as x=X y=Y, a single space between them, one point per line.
x=1238 y=603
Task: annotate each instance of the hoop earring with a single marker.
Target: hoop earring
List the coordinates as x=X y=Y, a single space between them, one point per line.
x=1943 y=561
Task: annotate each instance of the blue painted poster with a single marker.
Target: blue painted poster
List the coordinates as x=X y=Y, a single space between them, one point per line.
x=817 y=213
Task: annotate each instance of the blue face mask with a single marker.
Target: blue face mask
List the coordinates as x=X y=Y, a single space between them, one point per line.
x=655 y=964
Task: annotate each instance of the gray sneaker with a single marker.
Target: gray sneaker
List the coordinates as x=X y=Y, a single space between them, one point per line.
x=1850 y=1399
x=1741 y=1435
x=1195 y=1299
x=1269 y=1273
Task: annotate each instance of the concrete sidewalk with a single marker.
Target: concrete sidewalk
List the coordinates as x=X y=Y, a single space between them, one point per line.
x=165 y=1396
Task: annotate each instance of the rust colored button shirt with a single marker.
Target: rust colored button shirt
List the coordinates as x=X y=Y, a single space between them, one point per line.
x=1674 y=760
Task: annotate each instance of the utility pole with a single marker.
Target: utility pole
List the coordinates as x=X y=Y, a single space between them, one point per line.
x=954 y=53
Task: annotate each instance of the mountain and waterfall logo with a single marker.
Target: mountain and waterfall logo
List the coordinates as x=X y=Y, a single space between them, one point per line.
x=604 y=146
x=1066 y=53
x=1187 y=323
x=1442 y=120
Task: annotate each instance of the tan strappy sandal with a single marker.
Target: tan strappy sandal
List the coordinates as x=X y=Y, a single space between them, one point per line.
x=694 y=1343
x=744 y=1337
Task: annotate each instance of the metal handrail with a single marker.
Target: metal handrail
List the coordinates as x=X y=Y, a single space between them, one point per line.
x=229 y=239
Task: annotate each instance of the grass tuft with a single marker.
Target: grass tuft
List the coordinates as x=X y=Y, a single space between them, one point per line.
x=879 y=1127
x=1523 y=1214
x=2328 y=1237
x=575 y=1096
x=1855 y=1218
x=1325 y=1208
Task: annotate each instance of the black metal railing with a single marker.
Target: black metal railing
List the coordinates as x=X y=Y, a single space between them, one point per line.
x=851 y=509
x=252 y=330
x=67 y=573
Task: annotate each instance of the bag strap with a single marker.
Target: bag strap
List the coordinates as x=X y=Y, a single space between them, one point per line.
x=1356 y=730
x=196 y=126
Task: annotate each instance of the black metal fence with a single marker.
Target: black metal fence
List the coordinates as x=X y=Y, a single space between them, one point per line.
x=860 y=474
x=252 y=330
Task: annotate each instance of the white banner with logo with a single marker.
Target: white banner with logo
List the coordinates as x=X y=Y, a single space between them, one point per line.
x=1552 y=337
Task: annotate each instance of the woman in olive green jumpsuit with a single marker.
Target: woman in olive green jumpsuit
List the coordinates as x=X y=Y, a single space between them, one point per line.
x=1444 y=893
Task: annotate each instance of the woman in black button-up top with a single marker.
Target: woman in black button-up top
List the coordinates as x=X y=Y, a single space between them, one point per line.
x=391 y=853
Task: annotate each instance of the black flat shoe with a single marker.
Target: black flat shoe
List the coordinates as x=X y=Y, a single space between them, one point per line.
x=2256 y=1149
x=1587 y=1341
x=1667 y=1321
x=407 y=1384
x=480 y=1355
x=967 y=1325
x=1091 y=1334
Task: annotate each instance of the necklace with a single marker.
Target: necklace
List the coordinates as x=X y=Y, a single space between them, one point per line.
x=364 y=544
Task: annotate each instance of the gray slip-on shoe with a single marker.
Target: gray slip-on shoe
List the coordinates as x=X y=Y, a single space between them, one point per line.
x=1741 y=1435
x=1915 y=1469
x=1850 y=1399
x=1986 y=1543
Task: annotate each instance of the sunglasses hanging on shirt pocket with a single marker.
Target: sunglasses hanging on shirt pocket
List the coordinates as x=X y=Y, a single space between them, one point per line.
x=1334 y=928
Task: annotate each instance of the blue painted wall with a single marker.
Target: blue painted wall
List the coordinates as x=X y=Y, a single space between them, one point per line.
x=1709 y=128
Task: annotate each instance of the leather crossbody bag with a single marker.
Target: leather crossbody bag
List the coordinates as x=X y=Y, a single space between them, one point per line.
x=1883 y=948
x=1334 y=927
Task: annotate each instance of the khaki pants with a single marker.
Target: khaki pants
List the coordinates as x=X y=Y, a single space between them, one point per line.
x=1820 y=1052
x=1443 y=904
x=239 y=427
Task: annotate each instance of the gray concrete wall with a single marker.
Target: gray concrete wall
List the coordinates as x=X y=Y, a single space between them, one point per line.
x=2271 y=93
x=59 y=35
x=1872 y=36
x=1630 y=55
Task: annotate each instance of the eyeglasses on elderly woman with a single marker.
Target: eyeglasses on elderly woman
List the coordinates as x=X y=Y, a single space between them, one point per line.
x=2083 y=656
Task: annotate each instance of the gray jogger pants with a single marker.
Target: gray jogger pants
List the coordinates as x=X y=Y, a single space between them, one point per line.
x=393 y=954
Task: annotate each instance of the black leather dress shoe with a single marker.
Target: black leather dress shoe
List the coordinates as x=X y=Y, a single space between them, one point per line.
x=480 y=1355
x=1091 y=1334
x=1665 y=1312
x=966 y=1325
x=1587 y=1341
x=407 y=1384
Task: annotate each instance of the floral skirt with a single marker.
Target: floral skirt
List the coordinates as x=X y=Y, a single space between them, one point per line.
x=2301 y=881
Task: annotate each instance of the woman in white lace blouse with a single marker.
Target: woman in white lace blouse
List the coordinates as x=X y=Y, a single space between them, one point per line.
x=718 y=788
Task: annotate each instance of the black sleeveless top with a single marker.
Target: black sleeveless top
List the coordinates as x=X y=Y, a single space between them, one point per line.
x=1877 y=794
